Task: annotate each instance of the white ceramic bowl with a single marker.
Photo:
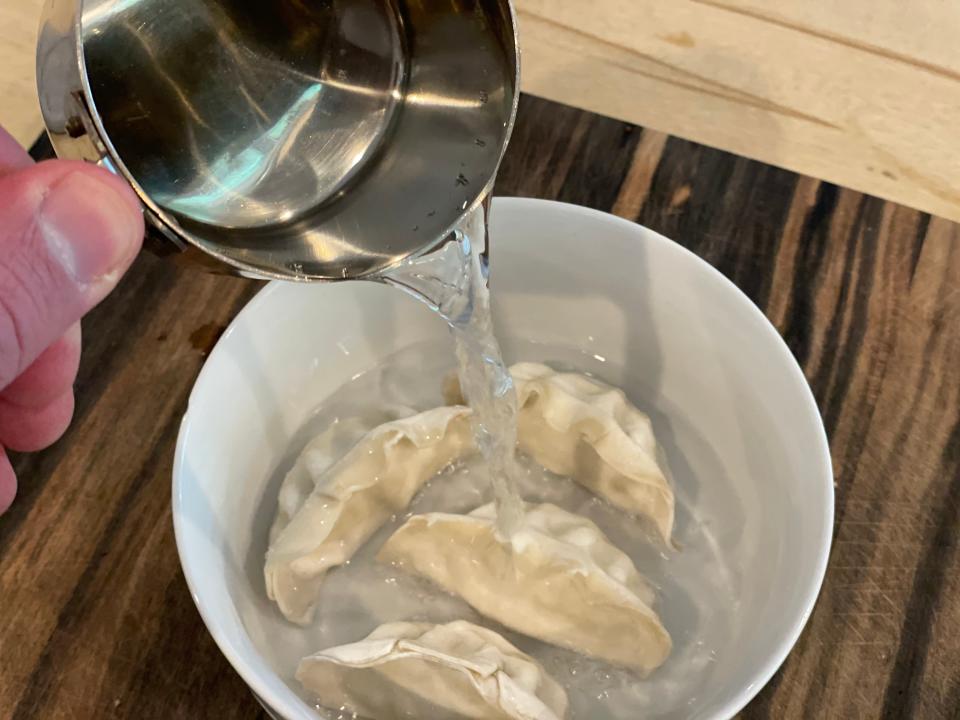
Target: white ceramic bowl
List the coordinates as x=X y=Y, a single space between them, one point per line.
x=729 y=404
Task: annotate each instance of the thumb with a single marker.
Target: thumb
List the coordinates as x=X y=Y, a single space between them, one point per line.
x=68 y=231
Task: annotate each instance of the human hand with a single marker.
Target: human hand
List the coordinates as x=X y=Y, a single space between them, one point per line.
x=68 y=231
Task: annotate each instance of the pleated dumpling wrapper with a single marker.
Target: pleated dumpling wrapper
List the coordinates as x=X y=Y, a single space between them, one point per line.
x=582 y=428
x=352 y=497
x=420 y=670
x=557 y=578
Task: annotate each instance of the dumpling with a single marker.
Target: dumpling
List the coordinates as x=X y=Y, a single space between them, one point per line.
x=353 y=497
x=582 y=428
x=557 y=578
x=315 y=459
x=420 y=670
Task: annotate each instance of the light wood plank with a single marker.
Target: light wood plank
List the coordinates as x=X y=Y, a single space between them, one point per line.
x=821 y=102
x=19 y=112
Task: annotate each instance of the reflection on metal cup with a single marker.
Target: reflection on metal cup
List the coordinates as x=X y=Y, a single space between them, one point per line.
x=320 y=140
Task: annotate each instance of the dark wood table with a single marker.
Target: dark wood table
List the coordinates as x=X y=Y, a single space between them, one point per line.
x=95 y=617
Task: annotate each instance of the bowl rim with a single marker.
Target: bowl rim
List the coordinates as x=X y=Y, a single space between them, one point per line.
x=759 y=677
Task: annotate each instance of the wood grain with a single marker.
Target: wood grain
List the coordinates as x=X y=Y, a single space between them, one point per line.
x=828 y=89
x=19 y=110
x=96 y=619
x=863 y=93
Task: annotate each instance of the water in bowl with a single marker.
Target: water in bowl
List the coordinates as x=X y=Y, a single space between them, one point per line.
x=697 y=592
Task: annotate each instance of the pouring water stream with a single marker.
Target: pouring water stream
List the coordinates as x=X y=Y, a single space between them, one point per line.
x=453 y=282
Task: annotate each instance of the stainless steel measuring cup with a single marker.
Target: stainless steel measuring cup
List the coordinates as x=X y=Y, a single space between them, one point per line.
x=292 y=139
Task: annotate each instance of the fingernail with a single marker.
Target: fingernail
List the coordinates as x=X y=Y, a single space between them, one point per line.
x=90 y=228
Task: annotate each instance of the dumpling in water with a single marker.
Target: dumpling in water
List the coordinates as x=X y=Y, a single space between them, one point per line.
x=315 y=459
x=582 y=428
x=557 y=578
x=441 y=672
x=351 y=498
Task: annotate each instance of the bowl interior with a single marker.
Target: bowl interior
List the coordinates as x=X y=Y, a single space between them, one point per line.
x=730 y=407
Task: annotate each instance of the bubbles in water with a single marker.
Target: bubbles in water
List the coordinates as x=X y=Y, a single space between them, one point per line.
x=364 y=594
